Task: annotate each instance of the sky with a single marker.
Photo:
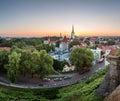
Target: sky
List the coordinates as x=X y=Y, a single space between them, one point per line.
x=52 y=17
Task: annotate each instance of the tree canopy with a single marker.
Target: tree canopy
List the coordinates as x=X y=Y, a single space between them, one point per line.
x=3 y=59
x=46 y=47
x=13 y=66
x=81 y=58
x=110 y=42
x=117 y=52
x=24 y=61
x=74 y=42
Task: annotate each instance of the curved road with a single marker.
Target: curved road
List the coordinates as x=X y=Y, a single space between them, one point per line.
x=36 y=83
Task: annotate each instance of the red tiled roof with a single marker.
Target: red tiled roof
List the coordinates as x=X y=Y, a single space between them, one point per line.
x=78 y=46
x=5 y=48
x=112 y=52
x=104 y=48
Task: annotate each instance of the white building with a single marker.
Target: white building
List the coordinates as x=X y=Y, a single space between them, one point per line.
x=47 y=40
x=64 y=44
x=96 y=53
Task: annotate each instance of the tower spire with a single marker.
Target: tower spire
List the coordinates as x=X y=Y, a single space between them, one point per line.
x=72 y=28
x=72 y=33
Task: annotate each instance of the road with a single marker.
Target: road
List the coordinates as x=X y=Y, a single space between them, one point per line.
x=37 y=83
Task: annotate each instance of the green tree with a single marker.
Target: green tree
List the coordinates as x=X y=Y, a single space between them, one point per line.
x=81 y=58
x=45 y=64
x=52 y=47
x=34 y=65
x=74 y=42
x=110 y=42
x=3 y=59
x=57 y=43
x=56 y=64
x=87 y=42
x=13 y=66
x=63 y=63
x=25 y=61
x=118 y=52
x=46 y=47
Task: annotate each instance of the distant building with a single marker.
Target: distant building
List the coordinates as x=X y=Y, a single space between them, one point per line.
x=64 y=43
x=47 y=40
x=5 y=48
x=7 y=38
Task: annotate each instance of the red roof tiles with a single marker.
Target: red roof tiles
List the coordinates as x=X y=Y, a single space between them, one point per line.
x=112 y=52
x=5 y=48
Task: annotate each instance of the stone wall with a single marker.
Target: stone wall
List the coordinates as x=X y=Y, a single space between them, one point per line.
x=112 y=77
x=114 y=96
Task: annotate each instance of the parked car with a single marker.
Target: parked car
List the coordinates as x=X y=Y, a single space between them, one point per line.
x=46 y=79
x=101 y=60
x=67 y=77
x=57 y=79
x=41 y=85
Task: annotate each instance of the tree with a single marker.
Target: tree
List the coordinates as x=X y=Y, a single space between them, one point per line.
x=81 y=58
x=46 y=47
x=63 y=63
x=52 y=47
x=3 y=59
x=56 y=64
x=34 y=65
x=87 y=42
x=74 y=42
x=13 y=66
x=57 y=43
x=45 y=64
x=110 y=42
x=118 y=52
x=25 y=61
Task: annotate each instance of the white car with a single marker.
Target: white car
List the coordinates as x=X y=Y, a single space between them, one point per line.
x=46 y=79
x=101 y=60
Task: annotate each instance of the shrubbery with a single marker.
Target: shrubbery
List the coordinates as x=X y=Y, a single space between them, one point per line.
x=85 y=90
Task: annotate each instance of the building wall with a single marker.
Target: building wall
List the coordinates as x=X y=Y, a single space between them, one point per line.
x=63 y=46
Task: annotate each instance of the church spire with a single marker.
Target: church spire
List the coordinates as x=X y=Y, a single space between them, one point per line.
x=72 y=28
x=72 y=33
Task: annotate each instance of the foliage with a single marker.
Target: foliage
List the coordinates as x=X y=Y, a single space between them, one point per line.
x=74 y=42
x=13 y=66
x=45 y=64
x=77 y=92
x=25 y=62
x=46 y=47
x=3 y=59
x=57 y=43
x=9 y=94
x=28 y=61
x=87 y=42
x=58 y=65
x=110 y=42
x=118 y=52
x=63 y=63
x=81 y=58
x=20 y=42
x=84 y=90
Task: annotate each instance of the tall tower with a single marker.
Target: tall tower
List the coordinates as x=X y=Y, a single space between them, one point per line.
x=72 y=33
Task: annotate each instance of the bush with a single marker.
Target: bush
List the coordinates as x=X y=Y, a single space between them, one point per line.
x=85 y=90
